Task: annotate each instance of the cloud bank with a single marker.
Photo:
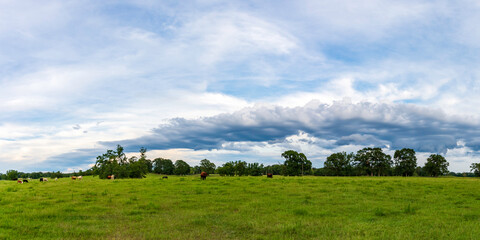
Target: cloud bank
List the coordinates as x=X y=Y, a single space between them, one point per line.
x=392 y=126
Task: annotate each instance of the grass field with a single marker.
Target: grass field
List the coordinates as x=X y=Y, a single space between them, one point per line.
x=242 y=208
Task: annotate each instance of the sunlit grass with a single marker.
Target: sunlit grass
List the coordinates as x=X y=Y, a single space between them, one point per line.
x=242 y=208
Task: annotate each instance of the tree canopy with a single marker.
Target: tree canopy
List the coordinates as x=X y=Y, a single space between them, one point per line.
x=207 y=166
x=475 y=167
x=115 y=162
x=181 y=167
x=163 y=166
x=372 y=161
x=405 y=162
x=436 y=165
x=339 y=164
x=296 y=164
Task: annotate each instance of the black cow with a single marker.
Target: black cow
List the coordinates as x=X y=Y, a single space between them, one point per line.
x=25 y=181
x=203 y=175
x=269 y=175
x=165 y=177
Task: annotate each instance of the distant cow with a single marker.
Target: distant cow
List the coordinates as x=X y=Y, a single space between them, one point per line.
x=42 y=179
x=79 y=177
x=19 y=181
x=74 y=178
x=111 y=177
x=203 y=175
x=56 y=179
x=269 y=175
x=25 y=181
x=165 y=177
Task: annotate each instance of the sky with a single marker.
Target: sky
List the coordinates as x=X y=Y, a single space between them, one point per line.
x=237 y=80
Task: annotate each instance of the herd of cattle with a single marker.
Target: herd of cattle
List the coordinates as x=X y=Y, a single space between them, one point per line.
x=203 y=176
x=44 y=179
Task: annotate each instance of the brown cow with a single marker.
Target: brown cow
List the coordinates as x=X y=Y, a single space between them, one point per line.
x=203 y=175
x=74 y=178
x=269 y=175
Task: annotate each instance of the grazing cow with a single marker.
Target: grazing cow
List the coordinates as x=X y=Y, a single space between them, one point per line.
x=269 y=175
x=44 y=179
x=111 y=177
x=79 y=178
x=74 y=178
x=165 y=177
x=19 y=181
x=25 y=181
x=203 y=175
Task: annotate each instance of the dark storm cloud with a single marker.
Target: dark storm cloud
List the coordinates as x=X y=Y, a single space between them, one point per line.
x=396 y=125
x=75 y=159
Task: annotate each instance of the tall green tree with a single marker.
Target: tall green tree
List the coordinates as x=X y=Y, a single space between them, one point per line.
x=241 y=168
x=137 y=168
x=115 y=162
x=372 y=161
x=120 y=155
x=475 y=167
x=182 y=167
x=405 y=162
x=12 y=175
x=108 y=164
x=436 y=165
x=163 y=166
x=339 y=164
x=296 y=164
x=207 y=166
x=227 y=169
x=144 y=160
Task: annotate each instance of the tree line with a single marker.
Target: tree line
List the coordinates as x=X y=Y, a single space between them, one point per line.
x=14 y=174
x=374 y=162
x=115 y=162
x=365 y=162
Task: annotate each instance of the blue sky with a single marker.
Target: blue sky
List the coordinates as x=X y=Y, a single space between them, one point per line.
x=237 y=80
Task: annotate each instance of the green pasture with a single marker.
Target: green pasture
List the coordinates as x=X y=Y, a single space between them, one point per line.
x=242 y=208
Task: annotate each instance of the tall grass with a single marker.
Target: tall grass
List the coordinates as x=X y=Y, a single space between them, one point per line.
x=242 y=208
